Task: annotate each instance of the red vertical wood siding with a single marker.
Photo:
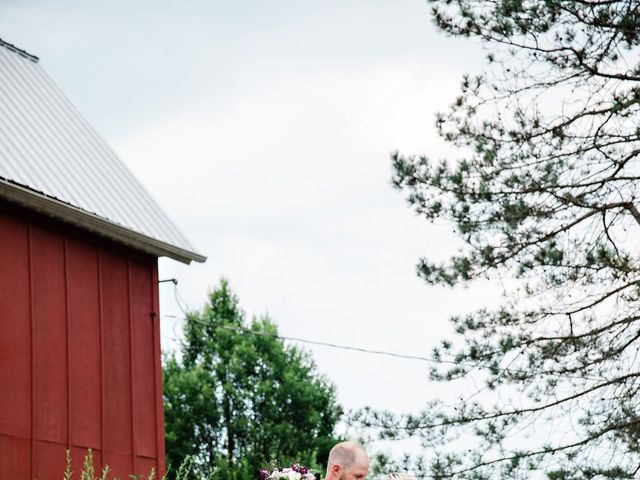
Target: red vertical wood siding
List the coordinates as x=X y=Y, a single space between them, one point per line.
x=15 y=349
x=79 y=352
x=142 y=347
x=48 y=458
x=15 y=341
x=15 y=459
x=85 y=402
x=160 y=453
x=49 y=336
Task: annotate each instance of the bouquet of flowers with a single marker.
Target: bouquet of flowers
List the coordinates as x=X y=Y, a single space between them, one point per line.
x=294 y=472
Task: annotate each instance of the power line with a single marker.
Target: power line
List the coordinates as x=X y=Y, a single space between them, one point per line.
x=438 y=361
x=318 y=342
x=369 y=424
x=181 y=305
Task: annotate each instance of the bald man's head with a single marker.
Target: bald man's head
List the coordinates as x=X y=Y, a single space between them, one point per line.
x=347 y=461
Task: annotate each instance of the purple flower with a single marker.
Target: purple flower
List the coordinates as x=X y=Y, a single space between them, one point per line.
x=301 y=469
x=284 y=473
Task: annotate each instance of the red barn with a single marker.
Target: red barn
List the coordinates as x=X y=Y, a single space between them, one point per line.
x=79 y=324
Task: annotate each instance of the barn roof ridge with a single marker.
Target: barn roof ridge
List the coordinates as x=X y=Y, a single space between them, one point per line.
x=19 y=51
x=53 y=161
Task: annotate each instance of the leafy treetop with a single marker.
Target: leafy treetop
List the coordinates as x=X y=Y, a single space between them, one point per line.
x=238 y=398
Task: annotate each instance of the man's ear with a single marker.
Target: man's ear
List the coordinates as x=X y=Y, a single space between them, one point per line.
x=336 y=469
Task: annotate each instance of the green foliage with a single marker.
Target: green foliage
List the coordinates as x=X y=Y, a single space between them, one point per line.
x=237 y=398
x=89 y=473
x=88 y=469
x=545 y=199
x=68 y=473
x=184 y=472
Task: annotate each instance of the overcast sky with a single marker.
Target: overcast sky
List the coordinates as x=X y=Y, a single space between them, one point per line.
x=264 y=130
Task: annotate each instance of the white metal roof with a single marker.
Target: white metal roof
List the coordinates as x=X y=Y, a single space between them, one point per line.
x=52 y=160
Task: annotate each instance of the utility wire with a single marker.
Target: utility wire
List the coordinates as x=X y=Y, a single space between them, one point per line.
x=317 y=342
x=438 y=361
x=237 y=328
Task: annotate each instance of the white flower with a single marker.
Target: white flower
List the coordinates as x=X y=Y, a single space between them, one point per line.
x=285 y=474
x=288 y=473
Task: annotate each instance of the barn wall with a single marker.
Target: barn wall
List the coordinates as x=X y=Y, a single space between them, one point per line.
x=79 y=352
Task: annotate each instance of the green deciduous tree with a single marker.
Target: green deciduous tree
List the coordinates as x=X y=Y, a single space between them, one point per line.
x=238 y=398
x=545 y=198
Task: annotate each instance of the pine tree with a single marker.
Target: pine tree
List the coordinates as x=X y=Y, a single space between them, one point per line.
x=546 y=198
